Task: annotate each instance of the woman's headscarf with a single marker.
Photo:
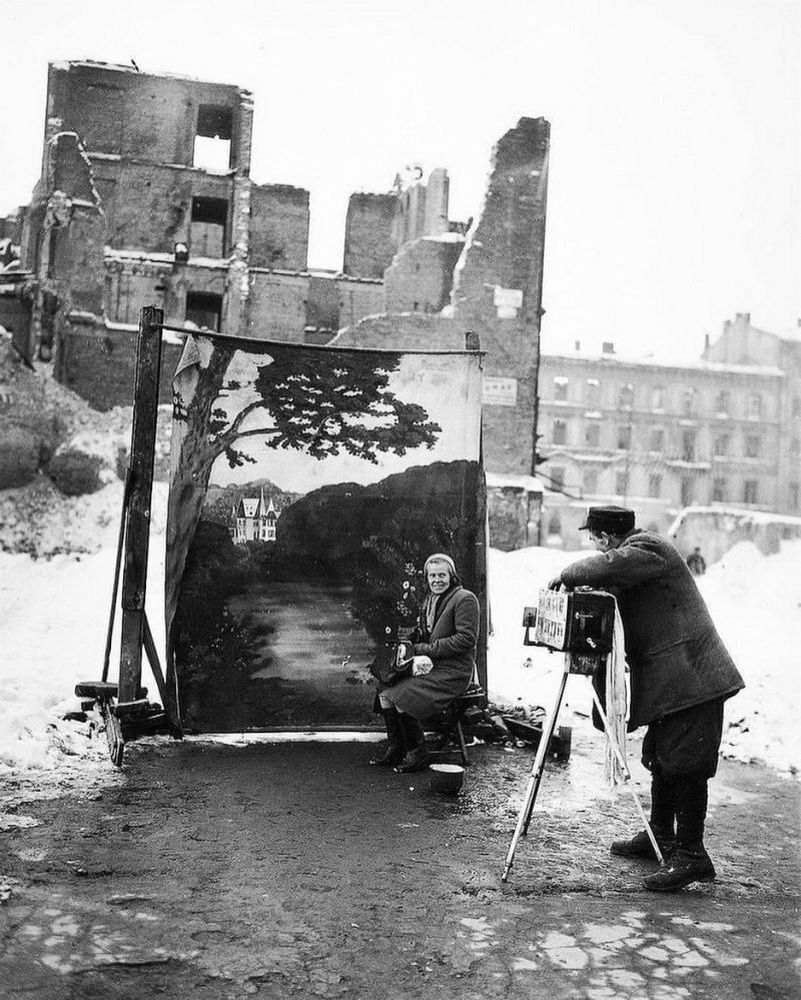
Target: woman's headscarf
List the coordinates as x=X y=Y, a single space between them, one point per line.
x=429 y=609
x=441 y=557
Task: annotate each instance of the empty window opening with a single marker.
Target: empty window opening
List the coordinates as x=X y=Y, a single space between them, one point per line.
x=688 y=446
x=719 y=490
x=625 y=396
x=593 y=393
x=213 y=137
x=593 y=435
x=750 y=491
x=560 y=385
x=559 y=432
x=204 y=309
x=753 y=446
x=207 y=231
x=754 y=406
x=655 y=486
x=657 y=439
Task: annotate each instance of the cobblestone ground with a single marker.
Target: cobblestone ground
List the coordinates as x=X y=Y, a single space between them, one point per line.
x=296 y=870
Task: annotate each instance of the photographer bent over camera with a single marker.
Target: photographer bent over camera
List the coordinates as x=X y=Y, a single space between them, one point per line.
x=444 y=649
x=680 y=674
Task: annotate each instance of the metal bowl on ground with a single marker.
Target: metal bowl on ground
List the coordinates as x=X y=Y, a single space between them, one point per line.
x=446 y=779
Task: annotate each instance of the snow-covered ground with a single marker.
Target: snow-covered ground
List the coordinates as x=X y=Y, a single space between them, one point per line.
x=54 y=612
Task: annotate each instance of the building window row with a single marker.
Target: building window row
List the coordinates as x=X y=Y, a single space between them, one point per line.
x=656 y=398
x=753 y=444
x=722 y=490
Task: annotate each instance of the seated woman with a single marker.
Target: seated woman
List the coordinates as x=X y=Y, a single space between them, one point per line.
x=447 y=634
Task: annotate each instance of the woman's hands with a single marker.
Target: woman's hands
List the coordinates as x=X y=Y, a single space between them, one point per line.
x=421 y=665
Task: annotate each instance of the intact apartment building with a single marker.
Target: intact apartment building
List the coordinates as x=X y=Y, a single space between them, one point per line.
x=724 y=432
x=145 y=198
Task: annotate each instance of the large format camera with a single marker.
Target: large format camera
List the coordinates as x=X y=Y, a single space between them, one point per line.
x=579 y=622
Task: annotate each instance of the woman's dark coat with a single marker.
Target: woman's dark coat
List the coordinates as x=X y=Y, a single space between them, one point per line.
x=451 y=645
x=675 y=654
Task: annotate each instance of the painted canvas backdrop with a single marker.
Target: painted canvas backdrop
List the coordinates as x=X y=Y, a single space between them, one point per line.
x=308 y=484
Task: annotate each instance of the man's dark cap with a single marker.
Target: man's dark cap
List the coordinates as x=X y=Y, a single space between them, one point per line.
x=612 y=520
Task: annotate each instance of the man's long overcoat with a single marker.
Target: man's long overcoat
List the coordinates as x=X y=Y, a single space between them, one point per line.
x=675 y=655
x=451 y=646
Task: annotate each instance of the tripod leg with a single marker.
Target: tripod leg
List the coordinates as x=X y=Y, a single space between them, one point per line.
x=627 y=772
x=524 y=818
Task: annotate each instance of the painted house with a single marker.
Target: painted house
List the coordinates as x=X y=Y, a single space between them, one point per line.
x=253 y=520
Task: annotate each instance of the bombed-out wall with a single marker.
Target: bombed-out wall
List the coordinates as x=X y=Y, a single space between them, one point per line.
x=495 y=289
x=421 y=275
x=498 y=292
x=279 y=226
x=98 y=362
x=369 y=239
x=145 y=198
x=119 y=111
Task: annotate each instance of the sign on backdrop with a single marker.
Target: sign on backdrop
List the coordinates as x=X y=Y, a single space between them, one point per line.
x=308 y=484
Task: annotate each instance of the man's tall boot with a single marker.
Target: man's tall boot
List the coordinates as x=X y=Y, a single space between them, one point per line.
x=689 y=862
x=663 y=817
x=417 y=752
x=396 y=741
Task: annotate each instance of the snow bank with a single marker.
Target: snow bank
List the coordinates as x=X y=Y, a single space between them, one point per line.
x=53 y=620
x=755 y=601
x=53 y=616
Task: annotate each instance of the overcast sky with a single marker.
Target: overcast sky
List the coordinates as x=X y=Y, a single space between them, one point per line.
x=675 y=135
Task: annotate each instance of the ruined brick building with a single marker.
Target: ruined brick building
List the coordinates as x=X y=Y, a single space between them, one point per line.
x=145 y=198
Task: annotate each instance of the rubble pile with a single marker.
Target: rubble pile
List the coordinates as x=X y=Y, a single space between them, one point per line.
x=62 y=463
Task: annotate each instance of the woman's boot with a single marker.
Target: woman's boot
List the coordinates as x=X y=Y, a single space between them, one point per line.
x=417 y=752
x=396 y=743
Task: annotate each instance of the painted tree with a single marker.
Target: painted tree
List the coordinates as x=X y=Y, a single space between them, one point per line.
x=323 y=402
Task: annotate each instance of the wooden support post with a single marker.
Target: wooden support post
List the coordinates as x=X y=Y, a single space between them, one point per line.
x=137 y=516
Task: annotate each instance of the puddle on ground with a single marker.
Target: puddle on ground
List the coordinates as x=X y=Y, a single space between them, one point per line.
x=659 y=957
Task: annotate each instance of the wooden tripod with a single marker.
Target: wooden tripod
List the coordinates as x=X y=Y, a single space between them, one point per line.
x=524 y=818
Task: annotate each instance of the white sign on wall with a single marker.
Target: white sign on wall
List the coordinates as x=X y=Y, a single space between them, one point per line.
x=508 y=302
x=499 y=391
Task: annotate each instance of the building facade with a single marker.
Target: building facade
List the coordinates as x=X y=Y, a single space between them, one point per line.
x=663 y=437
x=485 y=280
x=145 y=198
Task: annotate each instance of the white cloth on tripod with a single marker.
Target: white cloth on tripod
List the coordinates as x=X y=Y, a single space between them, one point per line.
x=616 y=705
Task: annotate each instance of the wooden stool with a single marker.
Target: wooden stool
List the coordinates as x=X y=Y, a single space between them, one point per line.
x=450 y=721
